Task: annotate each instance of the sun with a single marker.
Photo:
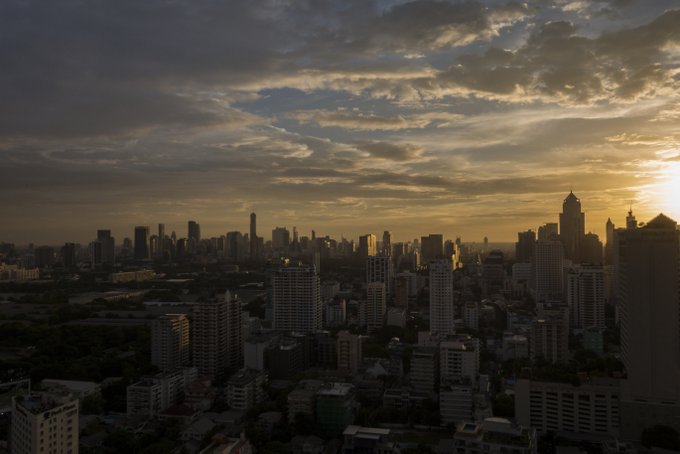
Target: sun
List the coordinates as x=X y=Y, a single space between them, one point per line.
x=667 y=191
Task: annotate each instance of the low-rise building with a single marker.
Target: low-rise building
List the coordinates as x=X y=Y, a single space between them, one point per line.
x=245 y=389
x=151 y=395
x=494 y=435
x=334 y=408
x=368 y=440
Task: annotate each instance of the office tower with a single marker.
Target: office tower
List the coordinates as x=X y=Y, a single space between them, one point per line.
x=108 y=246
x=68 y=255
x=387 y=243
x=548 y=272
x=194 y=232
x=44 y=256
x=493 y=273
x=367 y=246
x=44 y=423
x=349 y=352
x=609 y=246
x=572 y=227
x=649 y=304
x=586 y=296
x=296 y=299
x=141 y=243
x=161 y=241
x=524 y=248
x=254 y=249
x=441 y=298
x=432 y=247
x=401 y=293
x=471 y=315
x=375 y=306
x=216 y=339
x=237 y=247
x=459 y=359
x=280 y=239
x=591 y=249
x=170 y=341
x=548 y=231
x=549 y=339
x=379 y=268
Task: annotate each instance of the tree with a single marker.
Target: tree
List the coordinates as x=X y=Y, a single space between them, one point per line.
x=504 y=405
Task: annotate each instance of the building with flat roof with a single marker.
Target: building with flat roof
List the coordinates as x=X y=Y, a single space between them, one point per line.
x=364 y=440
x=44 y=423
x=496 y=435
x=170 y=341
x=334 y=408
x=245 y=389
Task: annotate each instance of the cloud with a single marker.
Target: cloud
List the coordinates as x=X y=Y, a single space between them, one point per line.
x=371 y=122
x=391 y=151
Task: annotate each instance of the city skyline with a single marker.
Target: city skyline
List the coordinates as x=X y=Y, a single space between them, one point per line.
x=468 y=118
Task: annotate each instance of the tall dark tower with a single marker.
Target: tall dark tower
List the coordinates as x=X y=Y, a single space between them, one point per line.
x=572 y=227
x=253 y=237
x=141 y=243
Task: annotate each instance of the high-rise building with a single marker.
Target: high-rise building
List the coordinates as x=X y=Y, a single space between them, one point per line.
x=349 y=352
x=524 y=248
x=548 y=270
x=586 y=296
x=161 y=241
x=296 y=299
x=548 y=231
x=424 y=375
x=108 y=246
x=280 y=239
x=549 y=339
x=68 y=255
x=591 y=249
x=649 y=303
x=379 y=268
x=441 y=298
x=609 y=246
x=170 y=341
x=459 y=359
x=572 y=227
x=432 y=247
x=194 y=231
x=141 y=243
x=216 y=339
x=375 y=306
x=44 y=256
x=254 y=243
x=387 y=243
x=367 y=246
x=44 y=423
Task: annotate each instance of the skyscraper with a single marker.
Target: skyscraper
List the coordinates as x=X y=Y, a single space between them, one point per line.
x=280 y=239
x=432 y=247
x=548 y=270
x=161 y=240
x=254 y=252
x=572 y=227
x=609 y=246
x=194 y=232
x=524 y=248
x=296 y=299
x=649 y=302
x=170 y=341
x=216 y=339
x=548 y=231
x=367 y=246
x=387 y=243
x=141 y=243
x=375 y=306
x=379 y=268
x=108 y=246
x=586 y=296
x=441 y=298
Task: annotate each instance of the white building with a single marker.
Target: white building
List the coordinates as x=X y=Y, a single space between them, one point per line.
x=441 y=298
x=150 y=396
x=296 y=299
x=459 y=359
x=456 y=402
x=592 y=407
x=44 y=423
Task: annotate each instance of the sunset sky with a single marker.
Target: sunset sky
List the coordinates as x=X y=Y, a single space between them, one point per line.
x=351 y=116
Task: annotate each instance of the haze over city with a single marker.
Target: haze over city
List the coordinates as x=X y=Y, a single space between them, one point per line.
x=468 y=118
